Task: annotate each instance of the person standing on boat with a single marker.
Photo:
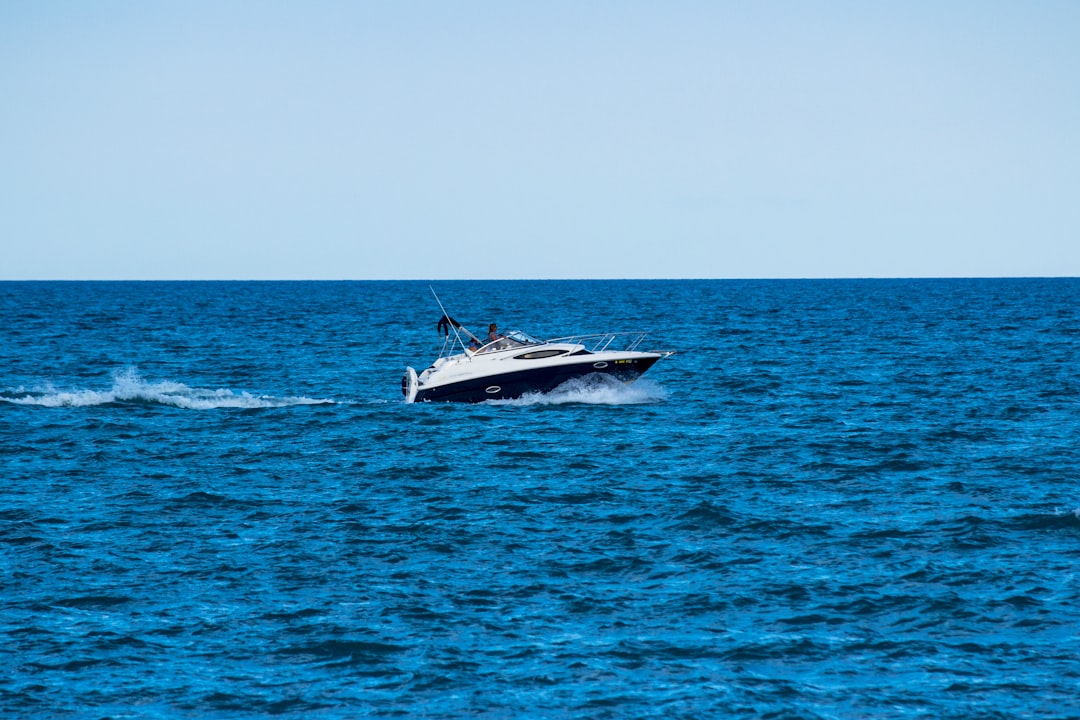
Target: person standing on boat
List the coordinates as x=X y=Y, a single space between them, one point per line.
x=493 y=337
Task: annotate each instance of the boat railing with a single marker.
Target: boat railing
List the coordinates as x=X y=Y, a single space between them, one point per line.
x=618 y=341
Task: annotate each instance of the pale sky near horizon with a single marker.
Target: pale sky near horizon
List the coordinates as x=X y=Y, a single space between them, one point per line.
x=329 y=139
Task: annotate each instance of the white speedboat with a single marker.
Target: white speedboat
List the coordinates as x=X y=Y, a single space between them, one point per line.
x=471 y=370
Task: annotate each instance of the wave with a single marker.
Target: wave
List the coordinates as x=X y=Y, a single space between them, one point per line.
x=594 y=390
x=130 y=388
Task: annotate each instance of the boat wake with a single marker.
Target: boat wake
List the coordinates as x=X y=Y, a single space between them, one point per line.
x=594 y=390
x=129 y=388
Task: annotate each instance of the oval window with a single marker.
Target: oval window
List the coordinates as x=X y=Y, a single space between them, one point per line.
x=538 y=354
x=599 y=365
x=493 y=389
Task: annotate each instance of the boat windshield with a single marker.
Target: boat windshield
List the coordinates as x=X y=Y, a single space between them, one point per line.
x=511 y=340
x=521 y=338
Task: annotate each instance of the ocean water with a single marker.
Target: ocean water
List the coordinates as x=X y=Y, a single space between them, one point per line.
x=838 y=499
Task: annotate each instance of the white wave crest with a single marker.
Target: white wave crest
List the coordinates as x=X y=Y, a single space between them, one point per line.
x=594 y=390
x=129 y=387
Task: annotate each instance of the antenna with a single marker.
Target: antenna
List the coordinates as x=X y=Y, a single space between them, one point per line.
x=437 y=300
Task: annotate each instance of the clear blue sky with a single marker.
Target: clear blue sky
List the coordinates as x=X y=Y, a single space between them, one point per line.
x=488 y=139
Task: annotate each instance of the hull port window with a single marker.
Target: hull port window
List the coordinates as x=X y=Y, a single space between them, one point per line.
x=539 y=354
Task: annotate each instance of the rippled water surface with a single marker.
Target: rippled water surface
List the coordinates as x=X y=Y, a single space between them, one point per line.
x=839 y=499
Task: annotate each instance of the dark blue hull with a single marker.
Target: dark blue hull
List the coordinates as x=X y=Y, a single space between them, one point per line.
x=538 y=380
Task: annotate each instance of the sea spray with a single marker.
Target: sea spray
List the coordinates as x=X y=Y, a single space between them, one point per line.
x=129 y=387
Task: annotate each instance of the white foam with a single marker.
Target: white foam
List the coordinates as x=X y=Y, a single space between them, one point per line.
x=594 y=390
x=129 y=387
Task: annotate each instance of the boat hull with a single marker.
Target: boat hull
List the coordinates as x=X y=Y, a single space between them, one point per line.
x=510 y=385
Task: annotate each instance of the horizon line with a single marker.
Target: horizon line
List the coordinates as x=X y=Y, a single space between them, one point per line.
x=559 y=279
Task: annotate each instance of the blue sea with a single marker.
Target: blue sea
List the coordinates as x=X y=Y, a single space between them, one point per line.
x=838 y=499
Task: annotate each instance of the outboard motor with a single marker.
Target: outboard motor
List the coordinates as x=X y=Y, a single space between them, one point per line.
x=409 y=385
